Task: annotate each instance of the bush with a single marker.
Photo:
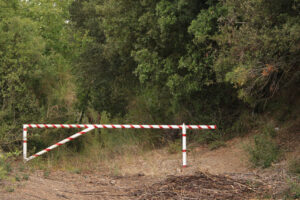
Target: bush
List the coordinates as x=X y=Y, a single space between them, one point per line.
x=269 y=129
x=243 y=124
x=216 y=144
x=293 y=191
x=264 y=151
x=174 y=147
x=205 y=137
x=294 y=166
x=5 y=167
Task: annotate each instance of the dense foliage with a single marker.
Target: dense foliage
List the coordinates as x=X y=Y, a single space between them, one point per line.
x=146 y=61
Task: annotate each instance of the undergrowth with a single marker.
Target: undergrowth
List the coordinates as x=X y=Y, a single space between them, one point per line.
x=97 y=146
x=294 y=166
x=265 y=150
x=4 y=168
x=174 y=147
x=293 y=190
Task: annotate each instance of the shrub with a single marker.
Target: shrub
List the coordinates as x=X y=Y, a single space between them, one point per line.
x=293 y=191
x=269 y=129
x=174 y=147
x=216 y=144
x=5 y=167
x=243 y=124
x=205 y=137
x=264 y=151
x=294 y=166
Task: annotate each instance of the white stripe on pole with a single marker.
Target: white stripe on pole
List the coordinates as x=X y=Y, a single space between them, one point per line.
x=24 y=142
x=183 y=145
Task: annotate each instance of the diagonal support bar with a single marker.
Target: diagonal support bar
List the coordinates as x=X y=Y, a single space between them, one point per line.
x=57 y=144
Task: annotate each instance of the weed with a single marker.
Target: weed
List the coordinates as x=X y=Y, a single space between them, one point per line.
x=269 y=129
x=115 y=171
x=5 y=166
x=294 y=166
x=293 y=192
x=25 y=177
x=206 y=137
x=9 y=189
x=174 y=147
x=46 y=173
x=21 y=167
x=216 y=144
x=264 y=151
x=17 y=178
x=243 y=124
x=75 y=170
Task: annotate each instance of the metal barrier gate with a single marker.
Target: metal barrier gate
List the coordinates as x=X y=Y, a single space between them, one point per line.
x=89 y=127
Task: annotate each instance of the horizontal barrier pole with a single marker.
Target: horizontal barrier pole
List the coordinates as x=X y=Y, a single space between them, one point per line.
x=124 y=126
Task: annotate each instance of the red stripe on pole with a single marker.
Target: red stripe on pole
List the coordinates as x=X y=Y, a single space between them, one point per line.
x=69 y=138
x=29 y=125
x=94 y=125
x=151 y=126
x=47 y=149
x=183 y=135
x=25 y=129
x=77 y=125
x=131 y=126
x=113 y=126
x=189 y=127
x=38 y=126
x=62 y=126
x=184 y=166
x=184 y=150
x=142 y=126
x=24 y=141
x=54 y=126
x=180 y=127
x=58 y=144
x=86 y=126
x=70 y=126
x=170 y=126
x=160 y=126
x=104 y=126
x=35 y=155
x=82 y=133
x=122 y=126
x=209 y=127
x=46 y=125
x=199 y=127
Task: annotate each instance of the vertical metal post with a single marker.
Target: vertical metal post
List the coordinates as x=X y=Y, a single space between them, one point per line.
x=25 y=142
x=183 y=145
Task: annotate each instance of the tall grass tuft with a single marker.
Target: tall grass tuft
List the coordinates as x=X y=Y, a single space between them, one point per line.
x=265 y=150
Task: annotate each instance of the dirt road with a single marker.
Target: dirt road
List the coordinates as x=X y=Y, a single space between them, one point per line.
x=60 y=185
x=219 y=174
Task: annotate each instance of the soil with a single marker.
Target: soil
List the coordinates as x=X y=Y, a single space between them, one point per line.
x=220 y=174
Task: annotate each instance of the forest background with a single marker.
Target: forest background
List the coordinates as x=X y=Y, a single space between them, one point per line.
x=231 y=63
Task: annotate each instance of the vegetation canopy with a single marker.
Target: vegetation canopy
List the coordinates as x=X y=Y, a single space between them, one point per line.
x=223 y=62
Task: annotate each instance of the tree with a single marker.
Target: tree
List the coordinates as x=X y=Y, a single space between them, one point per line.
x=260 y=47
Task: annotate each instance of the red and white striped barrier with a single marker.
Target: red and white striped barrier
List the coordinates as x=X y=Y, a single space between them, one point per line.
x=89 y=127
